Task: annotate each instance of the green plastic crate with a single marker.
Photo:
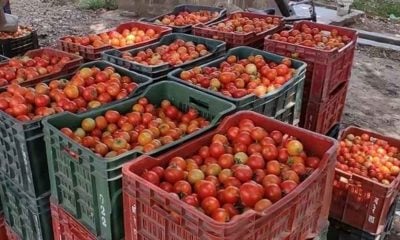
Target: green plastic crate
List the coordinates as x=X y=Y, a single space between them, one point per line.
x=30 y=218
x=216 y=48
x=88 y=186
x=283 y=104
x=22 y=148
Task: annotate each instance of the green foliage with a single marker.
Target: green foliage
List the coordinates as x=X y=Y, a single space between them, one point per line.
x=383 y=8
x=98 y=4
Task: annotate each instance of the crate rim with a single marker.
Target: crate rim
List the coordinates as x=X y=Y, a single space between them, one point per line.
x=275 y=207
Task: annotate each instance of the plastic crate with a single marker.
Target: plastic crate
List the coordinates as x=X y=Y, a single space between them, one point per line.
x=145 y=216
x=322 y=116
x=3 y=58
x=341 y=231
x=283 y=104
x=359 y=201
x=3 y=231
x=10 y=234
x=69 y=67
x=233 y=39
x=66 y=227
x=216 y=49
x=326 y=69
x=189 y=8
x=91 y=53
x=22 y=147
x=17 y=46
x=29 y=218
x=89 y=186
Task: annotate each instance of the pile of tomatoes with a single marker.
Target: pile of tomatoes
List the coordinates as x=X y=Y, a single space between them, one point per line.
x=21 y=32
x=239 y=24
x=144 y=129
x=313 y=37
x=239 y=77
x=116 y=39
x=187 y=18
x=244 y=168
x=87 y=89
x=176 y=53
x=18 y=70
x=369 y=157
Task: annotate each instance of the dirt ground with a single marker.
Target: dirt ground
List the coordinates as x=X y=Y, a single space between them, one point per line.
x=373 y=99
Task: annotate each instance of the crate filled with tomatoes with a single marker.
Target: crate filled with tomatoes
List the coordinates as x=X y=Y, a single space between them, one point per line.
x=125 y=36
x=19 y=42
x=37 y=65
x=366 y=180
x=3 y=231
x=252 y=80
x=241 y=29
x=183 y=17
x=27 y=217
x=251 y=178
x=172 y=51
x=329 y=53
x=86 y=152
x=22 y=146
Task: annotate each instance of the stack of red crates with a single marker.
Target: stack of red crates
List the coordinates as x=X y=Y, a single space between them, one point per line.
x=327 y=77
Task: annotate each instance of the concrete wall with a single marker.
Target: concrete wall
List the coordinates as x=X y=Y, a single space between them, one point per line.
x=157 y=7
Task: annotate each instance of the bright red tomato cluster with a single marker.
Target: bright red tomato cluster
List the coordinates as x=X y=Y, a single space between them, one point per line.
x=187 y=18
x=114 y=38
x=239 y=24
x=239 y=77
x=87 y=89
x=241 y=169
x=175 y=53
x=313 y=37
x=369 y=157
x=22 y=69
x=145 y=128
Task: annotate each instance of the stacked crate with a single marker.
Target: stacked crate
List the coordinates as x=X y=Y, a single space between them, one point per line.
x=327 y=77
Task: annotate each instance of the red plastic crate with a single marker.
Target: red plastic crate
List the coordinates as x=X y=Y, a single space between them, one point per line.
x=11 y=235
x=68 y=68
x=91 y=53
x=326 y=69
x=66 y=227
x=306 y=208
x=359 y=201
x=320 y=117
x=3 y=231
x=237 y=39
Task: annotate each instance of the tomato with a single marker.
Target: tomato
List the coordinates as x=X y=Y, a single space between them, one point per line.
x=288 y=186
x=231 y=194
x=261 y=205
x=173 y=175
x=243 y=173
x=273 y=167
x=230 y=208
x=232 y=181
x=178 y=162
x=232 y=133
x=255 y=161
x=277 y=136
x=294 y=147
x=220 y=215
x=312 y=162
x=166 y=186
x=273 y=192
x=270 y=152
x=299 y=168
x=112 y=116
x=226 y=160
x=209 y=205
x=270 y=179
x=191 y=200
x=250 y=194
x=224 y=175
x=182 y=188
x=216 y=149
x=241 y=158
x=244 y=138
x=159 y=170
x=195 y=175
x=205 y=189
x=151 y=176
x=290 y=175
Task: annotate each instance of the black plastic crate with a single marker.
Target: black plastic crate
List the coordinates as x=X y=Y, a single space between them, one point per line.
x=29 y=218
x=17 y=46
